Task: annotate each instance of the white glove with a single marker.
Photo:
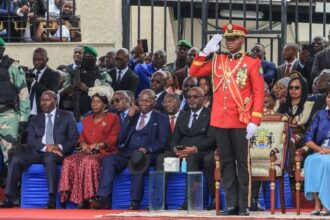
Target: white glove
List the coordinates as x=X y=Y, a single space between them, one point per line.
x=213 y=44
x=251 y=130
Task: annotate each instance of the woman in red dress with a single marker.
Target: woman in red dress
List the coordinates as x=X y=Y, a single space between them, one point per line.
x=80 y=171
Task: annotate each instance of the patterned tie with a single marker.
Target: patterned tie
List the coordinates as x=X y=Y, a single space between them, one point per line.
x=288 y=69
x=49 y=130
x=141 y=124
x=119 y=76
x=172 y=123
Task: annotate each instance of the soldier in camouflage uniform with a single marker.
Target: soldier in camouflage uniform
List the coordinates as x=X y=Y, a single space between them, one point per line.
x=77 y=83
x=14 y=102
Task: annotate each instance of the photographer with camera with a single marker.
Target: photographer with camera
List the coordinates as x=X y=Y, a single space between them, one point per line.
x=80 y=171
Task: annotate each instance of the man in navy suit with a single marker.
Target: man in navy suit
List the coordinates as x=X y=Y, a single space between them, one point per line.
x=269 y=68
x=120 y=103
x=52 y=135
x=145 y=131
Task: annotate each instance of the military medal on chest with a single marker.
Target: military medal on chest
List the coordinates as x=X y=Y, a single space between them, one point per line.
x=242 y=76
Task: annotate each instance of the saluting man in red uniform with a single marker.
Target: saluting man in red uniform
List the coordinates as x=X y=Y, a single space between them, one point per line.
x=238 y=88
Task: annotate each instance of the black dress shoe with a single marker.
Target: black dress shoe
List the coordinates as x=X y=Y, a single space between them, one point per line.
x=183 y=206
x=325 y=213
x=7 y=204
x=51 y=204
x=233 y=210
x=84 y=205
x=244 y=212
x=255 y=205
x=211 y=206
x=99 y=203
x=135 y=205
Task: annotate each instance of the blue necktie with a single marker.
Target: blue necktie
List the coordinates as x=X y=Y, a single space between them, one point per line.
x=122 y=116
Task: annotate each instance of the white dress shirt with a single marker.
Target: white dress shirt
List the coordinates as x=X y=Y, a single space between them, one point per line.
x=192 y=117
x=44 y=136
x=146 y=120
x=123 y=72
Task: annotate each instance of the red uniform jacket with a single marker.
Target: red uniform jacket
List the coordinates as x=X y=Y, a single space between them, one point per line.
x=246 y=72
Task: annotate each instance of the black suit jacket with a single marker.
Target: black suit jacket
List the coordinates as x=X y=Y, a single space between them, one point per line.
x=200 y=134
x=280 y=73
x=64 y=131
x=130 y=81
x=159 y=102
x=50 y=80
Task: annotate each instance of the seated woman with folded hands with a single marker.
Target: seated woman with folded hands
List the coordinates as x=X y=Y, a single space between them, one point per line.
x=80 y=171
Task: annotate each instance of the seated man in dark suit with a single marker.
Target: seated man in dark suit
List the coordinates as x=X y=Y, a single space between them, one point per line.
x=52 y=135
x=145 y=131
x=158 y=83
x=194 y=134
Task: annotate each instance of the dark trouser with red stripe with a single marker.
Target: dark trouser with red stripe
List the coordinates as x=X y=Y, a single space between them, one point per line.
x=235 y=178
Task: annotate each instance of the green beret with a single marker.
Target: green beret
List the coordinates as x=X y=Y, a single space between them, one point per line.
x=2 y=42
x=90 y=50
x=184 y=43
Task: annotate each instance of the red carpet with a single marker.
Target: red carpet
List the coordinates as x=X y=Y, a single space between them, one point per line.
x=60 y=214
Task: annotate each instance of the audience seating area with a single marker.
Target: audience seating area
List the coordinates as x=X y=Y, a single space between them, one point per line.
x=34 y=193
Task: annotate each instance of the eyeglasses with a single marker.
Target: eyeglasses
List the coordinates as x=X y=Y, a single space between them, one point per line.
x=119 y=59
x=155 y=81
x=294 y=87
x=115 y=101
x=193 y=96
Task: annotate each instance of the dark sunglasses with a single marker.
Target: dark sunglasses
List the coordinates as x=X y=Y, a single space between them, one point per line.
x=155 y=81
x=294 y=87
x=115 y=101
x=193 y=96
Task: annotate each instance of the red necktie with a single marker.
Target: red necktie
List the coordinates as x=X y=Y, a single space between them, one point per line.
x=288 y=69
x=172 y=123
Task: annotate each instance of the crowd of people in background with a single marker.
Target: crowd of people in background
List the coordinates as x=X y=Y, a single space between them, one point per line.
x=39 y=20
x=129 y=104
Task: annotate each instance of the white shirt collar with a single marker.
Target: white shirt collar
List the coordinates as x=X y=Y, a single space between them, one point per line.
x=123 y=71
x=52 y=113
x=176 y=115
x=147 y=114
x=40 y=71
x=159 y=94
x=198 y=112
